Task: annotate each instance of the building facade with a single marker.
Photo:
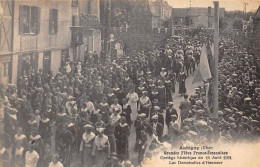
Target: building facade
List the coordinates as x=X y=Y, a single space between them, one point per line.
x=6 y=38
x=195 y=17
x=256 y=32
x=145 y=17
x=149 y=15
x=39 y=37
x=164 y=9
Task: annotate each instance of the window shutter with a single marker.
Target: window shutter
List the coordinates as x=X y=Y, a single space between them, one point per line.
x=10 y=72
x=35 y=19
x=56 y=21
x=39 y=20
x=35 y=61
x=20 y=64
x=20 y=19
x=50 y=20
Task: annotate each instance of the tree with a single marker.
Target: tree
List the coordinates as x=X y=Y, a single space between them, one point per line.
x=238 y=24
x=166 y=24
x=222 y=23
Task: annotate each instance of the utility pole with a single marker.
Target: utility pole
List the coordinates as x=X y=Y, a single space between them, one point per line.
x=216 y=48
x=245 y=4
x=190 y=15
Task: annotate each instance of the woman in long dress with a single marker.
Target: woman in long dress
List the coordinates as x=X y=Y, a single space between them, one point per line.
x=126 y=112
x=105 y=109
x=182 y=87
x=31 y=156
x=101 y=148
x=86 y=146
x=132 y=101
x=145 y=104
x=122 y=132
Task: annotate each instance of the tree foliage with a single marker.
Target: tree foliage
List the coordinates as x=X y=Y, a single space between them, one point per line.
x=223 y=23
x=238 y=24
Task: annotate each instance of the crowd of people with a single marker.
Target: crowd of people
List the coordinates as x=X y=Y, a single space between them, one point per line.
x=89 y=107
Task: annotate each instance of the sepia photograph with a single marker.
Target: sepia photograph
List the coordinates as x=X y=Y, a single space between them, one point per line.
x=129 y=83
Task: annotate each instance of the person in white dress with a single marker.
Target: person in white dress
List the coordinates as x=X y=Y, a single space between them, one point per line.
x=132 y=101
x=31 y=156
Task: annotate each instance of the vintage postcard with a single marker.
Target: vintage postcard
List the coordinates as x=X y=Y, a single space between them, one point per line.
x=129 y=83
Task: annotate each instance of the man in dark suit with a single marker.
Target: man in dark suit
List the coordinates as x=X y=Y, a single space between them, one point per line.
x=170 y=110
x=157 y=111
x=157 y=127
x=185 y=108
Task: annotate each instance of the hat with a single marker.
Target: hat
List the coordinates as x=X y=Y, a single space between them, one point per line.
x=220 y=113
x=232 y=125
x=192 y=133
x=244 y=117
x=155 y=101
x=155 y=116
x=170 y=103
x=142 y=115
x=88 y=126
x=156 y=108
x=70 y=125
x=234 y=109
x=231 y=119
x=37 y=111
x=247 y=99
x=228 y=110
x=239 y=113
x=173 y=116
x=202 y=123
x=144 y=92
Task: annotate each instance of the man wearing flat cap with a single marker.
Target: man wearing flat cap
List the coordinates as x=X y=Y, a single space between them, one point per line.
x=139 y=126
x=157 y=127
x=170 y=110
x=158 y=112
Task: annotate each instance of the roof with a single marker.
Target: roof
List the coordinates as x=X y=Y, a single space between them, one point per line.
x=195 y=11
x=144 y=7
x=180 y=12
x=257 y=14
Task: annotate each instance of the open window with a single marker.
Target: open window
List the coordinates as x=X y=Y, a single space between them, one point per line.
x=29 y=19
x=53 y=21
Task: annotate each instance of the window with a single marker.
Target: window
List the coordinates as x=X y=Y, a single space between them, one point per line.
x=64 y=56
x=53 y=21
x=29 y=20
x=75 y=3
x=47 y=62
x=29 y=62
x=7 y=69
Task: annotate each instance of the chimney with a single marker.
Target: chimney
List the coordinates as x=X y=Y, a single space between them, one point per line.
x=209 y=15
x=209 y=11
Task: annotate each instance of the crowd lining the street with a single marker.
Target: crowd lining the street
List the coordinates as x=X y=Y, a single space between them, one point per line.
x=89 y=107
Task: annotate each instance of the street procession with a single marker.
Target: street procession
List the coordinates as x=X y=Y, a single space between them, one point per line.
x=104 y=87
